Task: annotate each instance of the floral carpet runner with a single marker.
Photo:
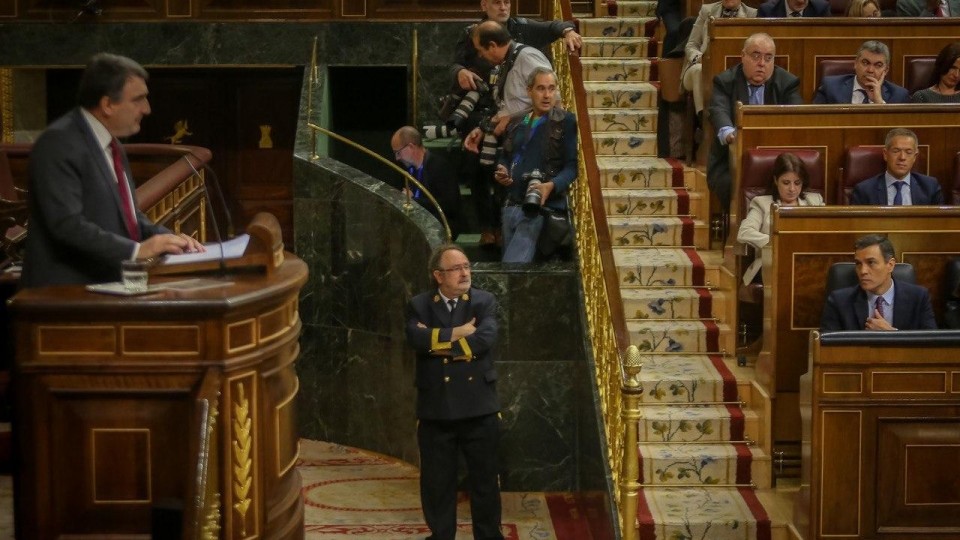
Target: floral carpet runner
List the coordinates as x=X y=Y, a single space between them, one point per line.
x=698 y=463
x=352 y=494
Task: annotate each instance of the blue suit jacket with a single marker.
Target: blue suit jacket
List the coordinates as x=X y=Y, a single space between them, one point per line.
x=846 y=309
x=77 y=233
x=777 y=8
x=924 y=190
x=455 y=379
x=839 y=89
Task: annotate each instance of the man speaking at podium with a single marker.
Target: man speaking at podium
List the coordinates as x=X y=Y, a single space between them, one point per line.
x=83 y=214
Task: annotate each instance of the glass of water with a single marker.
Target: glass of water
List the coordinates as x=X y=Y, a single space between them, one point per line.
x=134 y=274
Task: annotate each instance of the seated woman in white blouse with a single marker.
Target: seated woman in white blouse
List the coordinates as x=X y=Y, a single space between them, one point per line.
x=788 y=187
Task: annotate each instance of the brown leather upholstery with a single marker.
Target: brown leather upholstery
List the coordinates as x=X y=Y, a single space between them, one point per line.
x=917 y=74
x=835 y=65
x=838 y=8
x=862 y=162
x=670 y=84
x=757 y=172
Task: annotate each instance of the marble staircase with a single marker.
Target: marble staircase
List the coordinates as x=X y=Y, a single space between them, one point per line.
x=704 y=430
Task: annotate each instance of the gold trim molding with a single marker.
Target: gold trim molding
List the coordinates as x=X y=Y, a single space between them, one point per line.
x=6 y=104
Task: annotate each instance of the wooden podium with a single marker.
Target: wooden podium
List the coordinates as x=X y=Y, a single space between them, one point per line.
x=133 y=407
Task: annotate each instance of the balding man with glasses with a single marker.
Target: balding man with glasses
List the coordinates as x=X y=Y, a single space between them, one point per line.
x=898 y=185
x=755 y=81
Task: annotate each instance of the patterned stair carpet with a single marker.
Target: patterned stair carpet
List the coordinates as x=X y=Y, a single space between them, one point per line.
x=698 y=462
x=352 y=494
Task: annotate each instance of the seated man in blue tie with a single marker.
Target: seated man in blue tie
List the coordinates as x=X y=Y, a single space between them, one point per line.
x=755 y=81
x=867 y=84
x=898 y=185
x=878 y=302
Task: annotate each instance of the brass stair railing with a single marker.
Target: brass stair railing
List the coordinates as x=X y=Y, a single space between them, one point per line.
x=617 y=361
x=313 y=81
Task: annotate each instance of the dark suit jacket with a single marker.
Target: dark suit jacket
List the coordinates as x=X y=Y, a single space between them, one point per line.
x=729 y=87
x=77 y=234
x=846 y=309
x=777 y=8
x=455 y=379
x=439 y=178
x=839 y=89
x=873 y=191
x=534 y=154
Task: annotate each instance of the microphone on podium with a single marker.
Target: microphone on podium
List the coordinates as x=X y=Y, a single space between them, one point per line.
x=212 y=179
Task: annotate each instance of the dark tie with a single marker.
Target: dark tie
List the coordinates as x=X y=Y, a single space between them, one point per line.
x=755 y=94
x=129 y=217
x=728 y=13
x=878 y=305
x=796 y=14
x=898 y=198
x=452 y=303
x=866 y=96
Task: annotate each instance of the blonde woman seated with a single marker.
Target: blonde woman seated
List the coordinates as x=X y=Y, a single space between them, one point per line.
x=788 y=187
x=863 y=8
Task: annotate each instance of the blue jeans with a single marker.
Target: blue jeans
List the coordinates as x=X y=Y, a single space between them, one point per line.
x=520 y=234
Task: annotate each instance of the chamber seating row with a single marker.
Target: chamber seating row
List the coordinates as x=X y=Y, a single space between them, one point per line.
x=803 y=45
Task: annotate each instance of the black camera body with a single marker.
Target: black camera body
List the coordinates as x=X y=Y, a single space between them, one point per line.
x=456 y=107
x=533 y=198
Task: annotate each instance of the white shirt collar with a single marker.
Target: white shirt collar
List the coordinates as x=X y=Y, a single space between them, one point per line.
x=890 y=179
x=99 y=130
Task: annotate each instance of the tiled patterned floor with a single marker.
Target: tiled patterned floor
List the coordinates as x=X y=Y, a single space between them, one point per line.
x=358 y=495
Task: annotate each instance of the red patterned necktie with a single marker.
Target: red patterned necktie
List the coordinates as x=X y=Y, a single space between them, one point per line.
x=129 y=217
x=878 y=305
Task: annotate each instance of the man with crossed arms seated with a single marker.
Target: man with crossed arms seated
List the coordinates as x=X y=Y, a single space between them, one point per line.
x=878 y=302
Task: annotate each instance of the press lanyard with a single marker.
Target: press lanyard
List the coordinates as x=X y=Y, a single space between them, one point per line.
x=530 y=132
x=418 y=173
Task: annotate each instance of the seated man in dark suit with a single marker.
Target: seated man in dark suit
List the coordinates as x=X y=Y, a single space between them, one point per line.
x=867 y=85
x=794 y=8
x=898 y=185
x=755 y=81
x=878 y=302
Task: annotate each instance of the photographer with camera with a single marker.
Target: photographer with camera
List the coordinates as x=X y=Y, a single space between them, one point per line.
x=538 y=165
x=513 y=63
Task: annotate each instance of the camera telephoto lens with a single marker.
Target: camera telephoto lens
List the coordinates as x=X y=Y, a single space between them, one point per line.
x=488 y=149
x=533 y=197
x=439 y=132
x=465 y=107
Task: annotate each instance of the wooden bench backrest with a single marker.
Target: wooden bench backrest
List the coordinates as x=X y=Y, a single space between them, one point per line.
x=831 y=129
x=805 y=241
x=803 y=41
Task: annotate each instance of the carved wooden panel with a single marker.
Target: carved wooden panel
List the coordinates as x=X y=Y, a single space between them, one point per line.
x=213 y=10
x=117 y=460
x=807 y=279
x=917 y=484
x=840 y=472
x=884 y=463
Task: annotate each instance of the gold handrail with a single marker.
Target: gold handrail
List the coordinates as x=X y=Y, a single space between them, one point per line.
x=312 y=81
x=408 y=179
x=617 y=361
